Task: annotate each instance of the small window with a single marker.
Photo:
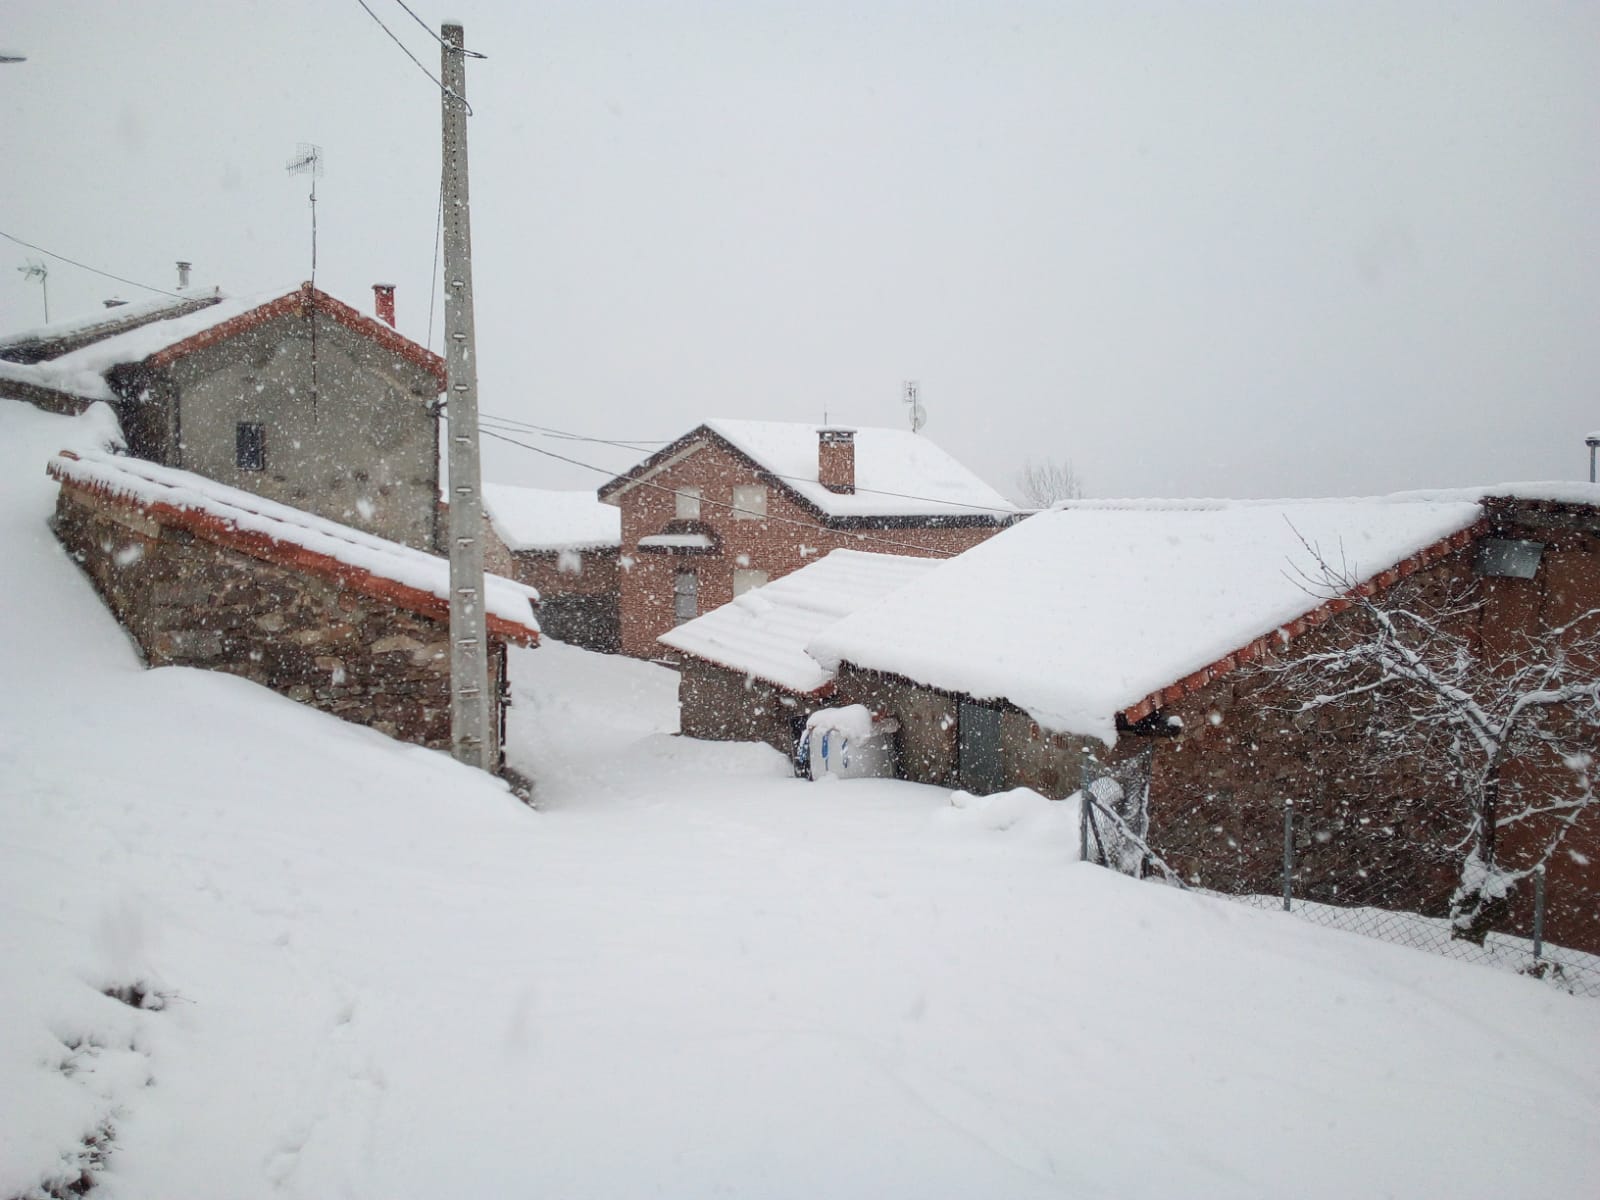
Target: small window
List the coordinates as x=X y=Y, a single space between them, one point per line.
x=750 y=502
x=1508 y=558
x=250 y=446
x=747 y=581
x=686 y=596
x=688 y=508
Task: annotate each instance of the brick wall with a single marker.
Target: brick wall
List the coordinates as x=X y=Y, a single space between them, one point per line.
x=578 y=600
x=785 y=541
x=189 y=602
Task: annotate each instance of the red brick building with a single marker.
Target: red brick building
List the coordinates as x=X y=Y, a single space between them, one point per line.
x=734 y=504
x=1139 y=631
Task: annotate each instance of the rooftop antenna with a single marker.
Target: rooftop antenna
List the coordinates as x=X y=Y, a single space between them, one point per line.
x=307 y=160
x=37 y=270
x=914 y=410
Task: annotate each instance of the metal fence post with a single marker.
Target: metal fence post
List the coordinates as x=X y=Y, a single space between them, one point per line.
x=1288 y=851
x=1083 y=805
x=1538 y=912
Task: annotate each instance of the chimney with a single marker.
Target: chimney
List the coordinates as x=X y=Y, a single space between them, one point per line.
x=183 y=273
x=836 y=459
x=383 y=302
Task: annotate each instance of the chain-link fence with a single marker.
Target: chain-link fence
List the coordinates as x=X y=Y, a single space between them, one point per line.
x=1365 y=880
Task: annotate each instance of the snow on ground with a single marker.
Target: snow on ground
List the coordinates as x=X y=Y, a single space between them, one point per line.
x=686 y=974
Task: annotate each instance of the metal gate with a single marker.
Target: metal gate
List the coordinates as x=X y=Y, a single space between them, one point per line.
x=1116 y=813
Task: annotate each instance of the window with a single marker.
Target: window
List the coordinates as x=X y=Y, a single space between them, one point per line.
x=686 y=596
x=1508 y=558
x=747 y=581
x=750 y=502
x=688 y=499
x=250 y=446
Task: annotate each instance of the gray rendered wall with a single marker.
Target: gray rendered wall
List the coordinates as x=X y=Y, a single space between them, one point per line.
x=366 y=454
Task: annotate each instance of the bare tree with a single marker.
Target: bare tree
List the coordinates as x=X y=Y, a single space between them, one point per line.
x=1462 y=716
x=1043 y=483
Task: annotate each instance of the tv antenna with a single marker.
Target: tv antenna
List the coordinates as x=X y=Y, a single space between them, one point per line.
x=37 y=270
x=914 y=410
x=307 y=160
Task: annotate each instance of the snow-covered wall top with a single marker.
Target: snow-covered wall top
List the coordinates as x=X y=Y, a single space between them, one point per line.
x=898 y=473
x=106 y=318
x=147 y=484
x=541 y=519
x=1081 y=612
x=138 y=344
x=765 y=631
x=74 y=379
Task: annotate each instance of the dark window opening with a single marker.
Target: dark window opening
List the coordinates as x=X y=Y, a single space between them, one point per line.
x=250 y=446
x=686 y=596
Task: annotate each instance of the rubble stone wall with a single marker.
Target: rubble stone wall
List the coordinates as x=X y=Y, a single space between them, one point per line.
x=189 y=602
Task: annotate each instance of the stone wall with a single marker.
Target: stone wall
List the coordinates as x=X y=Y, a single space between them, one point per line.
x=930 y=735
x=725 y=706
x=789 y=537
x=189 y=602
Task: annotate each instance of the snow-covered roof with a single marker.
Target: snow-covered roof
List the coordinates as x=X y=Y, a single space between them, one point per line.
x=542 y=519
x=158 y=341
x=355 y=557
x=42 y=339
x=77 y=381
x=897 y=473
x=1550 y=491
x=1082 y=612
x=764 y=632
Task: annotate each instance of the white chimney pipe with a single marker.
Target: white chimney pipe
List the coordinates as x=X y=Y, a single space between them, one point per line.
x=183 y=273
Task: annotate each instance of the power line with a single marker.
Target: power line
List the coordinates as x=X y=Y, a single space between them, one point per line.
x=431 y=33
x=812 y=525
x=94 y=270
x=644 y=445
x=437 y=82
x=636 y=445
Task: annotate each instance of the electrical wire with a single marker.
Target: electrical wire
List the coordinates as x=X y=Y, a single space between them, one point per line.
x=437 y=82
x=646 y=445
x=433 y=279
x=734 y=508
x=432 y=34
x=86 y=267
x=639 y=445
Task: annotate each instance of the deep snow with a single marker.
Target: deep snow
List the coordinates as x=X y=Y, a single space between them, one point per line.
x=687 y=974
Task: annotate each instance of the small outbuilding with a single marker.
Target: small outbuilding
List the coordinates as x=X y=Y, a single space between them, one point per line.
x=566 y=544
x=743 y=670
x=205 y=575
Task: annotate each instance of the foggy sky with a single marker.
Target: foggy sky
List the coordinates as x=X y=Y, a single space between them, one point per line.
x=1198 y=249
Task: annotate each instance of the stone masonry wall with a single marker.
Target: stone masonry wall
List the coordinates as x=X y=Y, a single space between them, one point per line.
x=788 y=538
x=724 y=706
x=189 y=602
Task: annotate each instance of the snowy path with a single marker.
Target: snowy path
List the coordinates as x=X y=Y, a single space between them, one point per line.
x=687 y=974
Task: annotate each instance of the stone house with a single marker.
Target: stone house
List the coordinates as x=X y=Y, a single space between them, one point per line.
x=732 y=505
x=205 y=575
x=743 y=670
x=295 y=397
x=566 y=544
x=1134 y=630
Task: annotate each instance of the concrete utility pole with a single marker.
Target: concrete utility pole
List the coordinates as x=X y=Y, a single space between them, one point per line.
x=469 y=648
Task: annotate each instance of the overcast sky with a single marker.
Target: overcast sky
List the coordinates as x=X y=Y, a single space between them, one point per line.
x=1198 y=249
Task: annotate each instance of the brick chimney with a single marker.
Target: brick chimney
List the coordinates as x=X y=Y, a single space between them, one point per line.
x=836 y=460
x=383 y=302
